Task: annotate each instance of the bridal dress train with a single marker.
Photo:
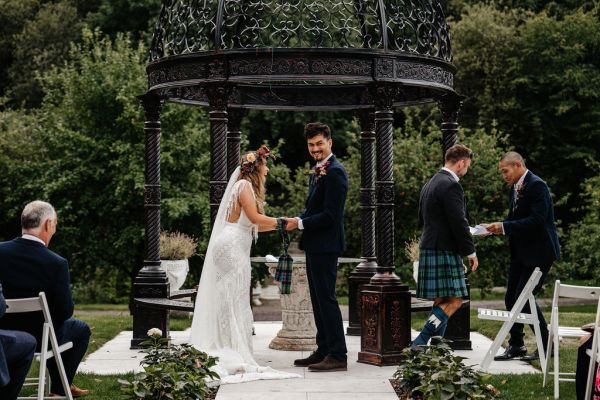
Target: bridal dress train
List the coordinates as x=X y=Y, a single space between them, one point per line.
x=222 y=323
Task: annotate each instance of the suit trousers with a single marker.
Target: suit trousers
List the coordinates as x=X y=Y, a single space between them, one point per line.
x=321 y=269
x=19 y=355
x=78 y=332
x=518 y=275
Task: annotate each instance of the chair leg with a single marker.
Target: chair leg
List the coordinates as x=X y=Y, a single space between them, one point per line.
x=556 y=369
x=43 y=353
x=61 y=368
x=549 y=351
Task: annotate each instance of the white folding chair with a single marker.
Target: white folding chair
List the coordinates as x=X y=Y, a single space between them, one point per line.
x=594 y=354
x=515 y=316
x=33 y=304
x=557 y=332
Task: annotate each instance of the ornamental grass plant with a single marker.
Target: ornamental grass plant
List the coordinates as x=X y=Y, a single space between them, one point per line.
x=177 y=246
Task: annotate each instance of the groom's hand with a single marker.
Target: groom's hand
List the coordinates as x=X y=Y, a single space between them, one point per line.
x=292 y=223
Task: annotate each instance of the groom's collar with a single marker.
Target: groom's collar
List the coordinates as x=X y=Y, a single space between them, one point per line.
x=324 y=161
x=451 y=173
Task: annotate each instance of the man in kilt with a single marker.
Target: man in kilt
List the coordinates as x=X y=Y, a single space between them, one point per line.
x=445 y=240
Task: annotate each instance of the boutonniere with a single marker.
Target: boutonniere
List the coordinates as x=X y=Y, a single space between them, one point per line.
x=320 y=171
x=520 y=191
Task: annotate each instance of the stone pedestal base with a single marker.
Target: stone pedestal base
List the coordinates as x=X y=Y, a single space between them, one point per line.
x=298 y=331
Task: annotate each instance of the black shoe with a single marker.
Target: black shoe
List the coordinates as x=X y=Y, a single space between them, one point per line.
x=314 y=358
x=530 y=357
x=512 y=352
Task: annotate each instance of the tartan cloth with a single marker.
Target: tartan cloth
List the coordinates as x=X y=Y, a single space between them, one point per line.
x=283 y=273
x=441 y=274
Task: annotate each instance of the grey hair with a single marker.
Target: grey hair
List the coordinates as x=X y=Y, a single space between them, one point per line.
x=35 y=213
x=512 y=157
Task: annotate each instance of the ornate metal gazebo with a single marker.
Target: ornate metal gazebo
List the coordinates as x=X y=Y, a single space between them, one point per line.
x=365 y=55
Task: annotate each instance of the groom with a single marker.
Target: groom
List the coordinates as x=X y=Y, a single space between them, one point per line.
x=322 y=223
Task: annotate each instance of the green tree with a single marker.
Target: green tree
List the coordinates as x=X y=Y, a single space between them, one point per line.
x=83 y=151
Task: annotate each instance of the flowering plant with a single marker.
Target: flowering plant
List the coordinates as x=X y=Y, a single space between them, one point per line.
x=320 y=171
x=178 y=372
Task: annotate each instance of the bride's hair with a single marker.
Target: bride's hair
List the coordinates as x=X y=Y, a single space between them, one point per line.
x=250 y=171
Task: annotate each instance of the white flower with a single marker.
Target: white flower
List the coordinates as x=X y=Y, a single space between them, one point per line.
x=154 y=333
x=251 y=157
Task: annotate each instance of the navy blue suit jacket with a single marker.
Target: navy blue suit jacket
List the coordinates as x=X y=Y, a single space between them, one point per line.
x=530 y=224
x=443 y=216
x=27 y=268
x=323 y=218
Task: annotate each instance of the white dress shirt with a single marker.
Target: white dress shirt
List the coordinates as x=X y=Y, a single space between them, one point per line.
x=300 y=224
x=516 y=187
x=34 y=238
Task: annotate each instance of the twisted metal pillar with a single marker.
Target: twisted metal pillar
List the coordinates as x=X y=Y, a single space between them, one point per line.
x=151 y=281
x=234 y=137
x=459 y=325
x=385 y=311
x=217 y=97
x=367 y=267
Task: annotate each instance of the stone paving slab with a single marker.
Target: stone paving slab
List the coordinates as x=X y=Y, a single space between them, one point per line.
x=361 y=381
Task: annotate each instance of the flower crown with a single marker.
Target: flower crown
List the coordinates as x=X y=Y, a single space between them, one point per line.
x=251 y=160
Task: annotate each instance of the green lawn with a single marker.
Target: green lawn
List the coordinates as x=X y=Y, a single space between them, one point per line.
x=512 y=387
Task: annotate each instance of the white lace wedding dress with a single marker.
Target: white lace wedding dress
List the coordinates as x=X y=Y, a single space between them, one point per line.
x=222 y=323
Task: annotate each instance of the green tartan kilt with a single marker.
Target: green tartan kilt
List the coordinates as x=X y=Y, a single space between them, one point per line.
x=441 y=274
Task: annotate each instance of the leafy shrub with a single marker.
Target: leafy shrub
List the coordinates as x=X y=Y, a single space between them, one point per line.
x=174 y=372
x=176 y=246
x=435 y=373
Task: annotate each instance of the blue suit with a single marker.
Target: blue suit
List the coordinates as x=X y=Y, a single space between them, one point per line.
x=323 y=241
x=16 y=355
x=533 y=243
x=28 y=267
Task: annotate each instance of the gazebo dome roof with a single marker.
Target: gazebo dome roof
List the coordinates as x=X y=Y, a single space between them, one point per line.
x=301 y=54
x=408 y=26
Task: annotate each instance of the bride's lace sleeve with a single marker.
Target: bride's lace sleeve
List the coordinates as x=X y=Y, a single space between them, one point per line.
x=234 y=199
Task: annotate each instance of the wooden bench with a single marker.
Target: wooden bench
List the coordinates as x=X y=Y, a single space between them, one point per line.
x=172 y=303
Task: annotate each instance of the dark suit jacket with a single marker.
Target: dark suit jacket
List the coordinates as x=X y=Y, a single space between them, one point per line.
x=27 y=268
x=530 y=224
x=323 y=218
x=5 y=337
x=442 y=214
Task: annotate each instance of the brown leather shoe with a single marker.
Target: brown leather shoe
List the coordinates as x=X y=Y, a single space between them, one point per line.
x=329 y=364
x=312 y=359
x=75 y=392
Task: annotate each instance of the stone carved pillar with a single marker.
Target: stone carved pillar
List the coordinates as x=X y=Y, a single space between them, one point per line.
x=459 y=325
x=151 y=281
x=385 y=300
x=217 y=97
x=367 y=267
x=234 y=137
x=298 y=331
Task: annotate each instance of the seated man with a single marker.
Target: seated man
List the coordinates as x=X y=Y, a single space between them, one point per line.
x=16 y=355
x=29 y=267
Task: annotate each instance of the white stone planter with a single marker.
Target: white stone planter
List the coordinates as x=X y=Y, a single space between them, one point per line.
x=177 y=271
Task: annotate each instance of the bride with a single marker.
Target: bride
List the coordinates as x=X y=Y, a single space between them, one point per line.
x=222 y=323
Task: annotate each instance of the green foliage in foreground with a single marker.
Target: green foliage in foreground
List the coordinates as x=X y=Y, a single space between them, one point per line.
x=435 y=372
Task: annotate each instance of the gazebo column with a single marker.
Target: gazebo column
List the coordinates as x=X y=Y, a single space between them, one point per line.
x=367 y=267
x=217 y=97
x=151 y=280
x=459 y=325
x=385 y=309
x=234 y=137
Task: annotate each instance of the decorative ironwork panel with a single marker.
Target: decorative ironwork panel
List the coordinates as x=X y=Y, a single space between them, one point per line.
x=190 y=26
x=370 y=321
x=420 y=72
x=418 y=26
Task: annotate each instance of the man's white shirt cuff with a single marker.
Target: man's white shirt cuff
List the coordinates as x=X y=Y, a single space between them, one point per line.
x=300 y=224
x=502 y=225
x=472 y=255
